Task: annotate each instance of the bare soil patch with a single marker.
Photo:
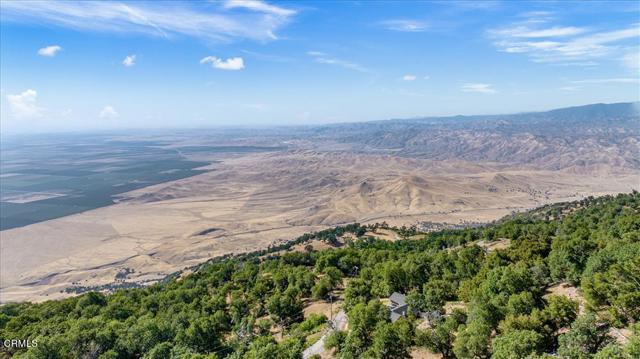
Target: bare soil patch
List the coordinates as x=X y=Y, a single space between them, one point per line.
x=570 y=291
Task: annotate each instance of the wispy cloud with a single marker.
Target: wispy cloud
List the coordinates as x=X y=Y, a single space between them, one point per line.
x=527 y=32
x=109 y=112
x=409 y=77
x=268 y=57
x=49 y=51
x=254 y=20
x=129 y=61
x=618 y=80
x=479 y=88
x=24 y=105
x=323 y=58
x=542 y=42
x=260 y=6
x=405 y=25
x=232 y=63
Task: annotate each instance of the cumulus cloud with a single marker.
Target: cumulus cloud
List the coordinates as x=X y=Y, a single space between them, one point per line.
x=544 y=42
x=405 y=25
x=255 y=20
x=109 y=112
x=24 y=105
x=232 y=63
x=409 y=77
x=129 y=61
x=49 y=51
x=479 y=88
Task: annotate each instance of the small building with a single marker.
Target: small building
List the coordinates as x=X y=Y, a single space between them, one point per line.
x=398 y=306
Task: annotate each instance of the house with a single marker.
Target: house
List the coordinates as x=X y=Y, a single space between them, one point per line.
x=398 y=306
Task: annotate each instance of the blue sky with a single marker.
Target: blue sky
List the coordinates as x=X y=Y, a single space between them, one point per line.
x=102 y=65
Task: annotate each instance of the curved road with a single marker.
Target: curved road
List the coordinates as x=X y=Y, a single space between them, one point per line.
x=338 y=323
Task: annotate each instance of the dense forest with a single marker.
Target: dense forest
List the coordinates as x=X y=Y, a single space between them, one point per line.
x=252 y=306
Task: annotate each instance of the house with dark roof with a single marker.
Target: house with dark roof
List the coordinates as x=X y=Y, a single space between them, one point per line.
x=398 y=306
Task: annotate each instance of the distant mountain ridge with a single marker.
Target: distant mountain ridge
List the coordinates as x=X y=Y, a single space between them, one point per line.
x=590 y=135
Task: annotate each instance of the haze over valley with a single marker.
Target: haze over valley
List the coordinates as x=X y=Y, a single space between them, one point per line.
x=245 y=191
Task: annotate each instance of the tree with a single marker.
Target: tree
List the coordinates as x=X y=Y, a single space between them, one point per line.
x=262 y=347
x=285 y=307
x=440 y=337
x=632 y=348
x=201 y=336
x=387 y=343
x=586 y=337
x=321 y=288
x=358 y=291
x=435 y=293
x=611 y=351
x=472 y=341
x=612 y=281
x=521 y=303
x=160 y=351
x=560 y=311
x=363 y=319
x=335 y=340
x=516 y=344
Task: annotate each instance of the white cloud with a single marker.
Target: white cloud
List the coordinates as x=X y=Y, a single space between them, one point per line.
x=405 y=25
x=535 y=17
x=619 y=80
x=223 y=22
x=409 y=77
x=526 y=32
x=570 y=88
x=49 y=51
x=477 y=87
x=568 y=45
x=23 y=105
x=323 y=58
x=108 y=112
x=232 y=63
x=259 y=6
x=129 y=61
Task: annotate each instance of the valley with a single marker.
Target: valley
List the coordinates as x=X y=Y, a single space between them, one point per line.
x=253 y=191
